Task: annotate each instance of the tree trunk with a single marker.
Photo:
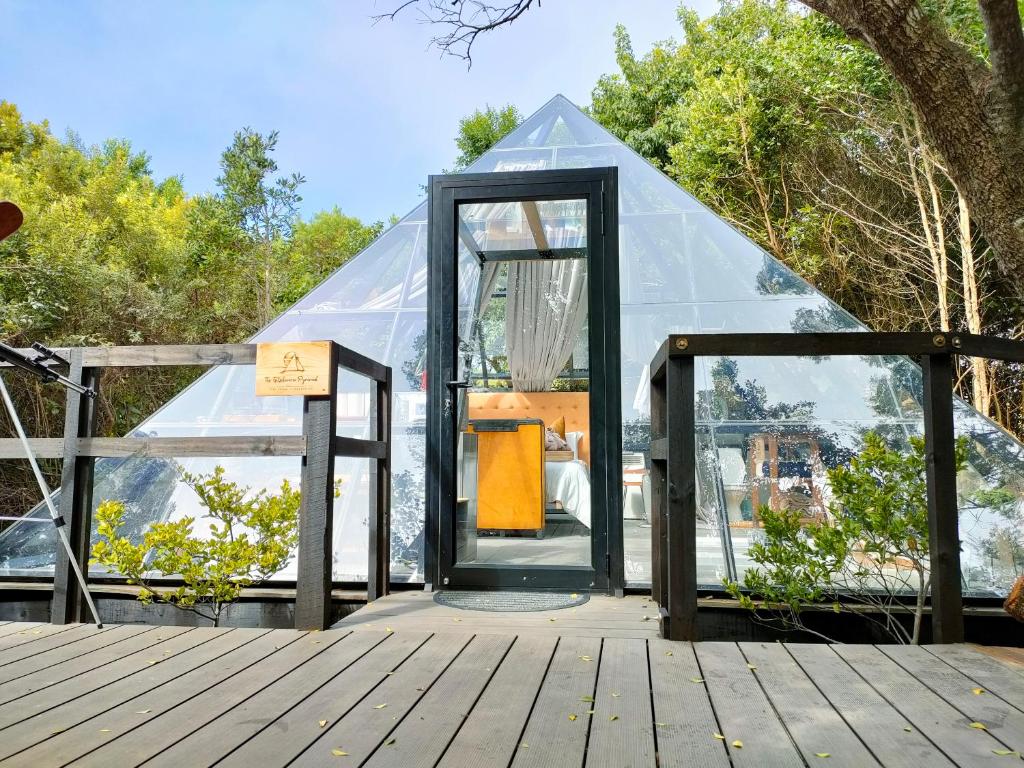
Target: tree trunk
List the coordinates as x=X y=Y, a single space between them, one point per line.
x=981 y=392
x=972 y=114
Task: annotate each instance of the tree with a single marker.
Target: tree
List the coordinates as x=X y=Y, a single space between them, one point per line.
x=482 y=130
x=969 y=98
x=250 y=538
x=264 y=209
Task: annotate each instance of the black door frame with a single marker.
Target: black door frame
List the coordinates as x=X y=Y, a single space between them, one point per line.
x=599 y=187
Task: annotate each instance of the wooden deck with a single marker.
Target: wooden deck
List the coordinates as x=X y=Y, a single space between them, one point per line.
x=457 y=693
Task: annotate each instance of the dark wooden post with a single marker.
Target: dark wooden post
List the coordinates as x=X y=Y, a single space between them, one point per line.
x=316 y=514
x=75 y=504
x=681 y=549
x=659 y=577
x=379 y=573
x=943 y=512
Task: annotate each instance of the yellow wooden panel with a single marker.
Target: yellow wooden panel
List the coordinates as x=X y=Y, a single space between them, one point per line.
x=510 y=479
x=294 y=368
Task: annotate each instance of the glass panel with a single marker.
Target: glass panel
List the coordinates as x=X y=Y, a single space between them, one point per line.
x=523 y=474
x=682 y=269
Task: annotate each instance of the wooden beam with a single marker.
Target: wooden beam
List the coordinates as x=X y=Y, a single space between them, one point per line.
x=379 y=571
x=42 y=448
x=808 y=344
x=536 y=225
x=681 y=487
x=351 y=360
x=75 y=503
x=186 y=447
x=943 y=509
x=316 y=513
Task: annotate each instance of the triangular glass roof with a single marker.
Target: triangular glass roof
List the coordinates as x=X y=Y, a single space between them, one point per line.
x=682 y=270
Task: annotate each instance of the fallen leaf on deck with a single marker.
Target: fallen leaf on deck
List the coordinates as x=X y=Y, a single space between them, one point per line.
x=590 y=711
x=323 y=723
x=104 y=730
x=613 y=717
x=907 y=729
x=822 y=754
x=572 y=717
x=738 y=744
x=380 y=706
x=977 y=691
x=339 y=752
x=719 y=736
x=586 y=658
x=389 y=742
x=388 y=629
x=645 y=618
x=751 y=666
x=524 y=745
x=573 y=596
x=586 y=698
x=979 y=726
x=143 y=711
x=668 y=653
x=663 y=725
x=1005 y=752
x=456 y=619
x=550 y=619
x=696 y=679
x=615 y=694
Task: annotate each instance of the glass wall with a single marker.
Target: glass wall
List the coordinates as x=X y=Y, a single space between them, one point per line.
x=767 y=425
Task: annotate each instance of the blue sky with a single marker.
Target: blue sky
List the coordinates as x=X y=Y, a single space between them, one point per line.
x=365 y=111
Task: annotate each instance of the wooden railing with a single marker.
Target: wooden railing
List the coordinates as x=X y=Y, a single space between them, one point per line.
x=318 y=445
x=673 y=441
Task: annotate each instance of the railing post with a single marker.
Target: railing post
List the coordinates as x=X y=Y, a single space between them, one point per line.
x=943 y=512
x=659 y=562
x=75 y=504
x=316 y=513
x=680 y=464
x=379 y=573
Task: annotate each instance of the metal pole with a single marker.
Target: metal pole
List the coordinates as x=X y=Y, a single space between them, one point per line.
x=58 y=522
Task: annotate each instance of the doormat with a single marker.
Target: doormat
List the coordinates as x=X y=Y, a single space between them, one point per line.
x=510 y=601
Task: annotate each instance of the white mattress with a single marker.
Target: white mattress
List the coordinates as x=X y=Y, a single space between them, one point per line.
x=569 y=483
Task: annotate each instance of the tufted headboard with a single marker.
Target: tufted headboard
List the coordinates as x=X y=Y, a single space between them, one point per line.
x=546 y=406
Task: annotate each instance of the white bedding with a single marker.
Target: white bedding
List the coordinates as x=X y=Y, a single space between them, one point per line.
x=569 y=483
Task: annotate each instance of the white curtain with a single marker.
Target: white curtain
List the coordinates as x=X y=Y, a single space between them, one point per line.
x=546 y=308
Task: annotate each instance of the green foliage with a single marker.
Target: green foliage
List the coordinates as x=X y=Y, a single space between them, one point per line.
x=109 y=254
x=482 y=130
x=249 y=537
x=870 y=551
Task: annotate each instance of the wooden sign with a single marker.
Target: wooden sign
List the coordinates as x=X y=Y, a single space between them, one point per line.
x=294 y=368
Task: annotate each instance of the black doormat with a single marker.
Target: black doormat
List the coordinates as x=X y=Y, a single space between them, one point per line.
x=510 y=601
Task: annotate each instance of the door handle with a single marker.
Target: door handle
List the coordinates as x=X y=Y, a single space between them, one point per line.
x=459 y=384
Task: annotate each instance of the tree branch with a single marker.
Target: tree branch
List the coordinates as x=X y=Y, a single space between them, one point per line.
x=1006 y=52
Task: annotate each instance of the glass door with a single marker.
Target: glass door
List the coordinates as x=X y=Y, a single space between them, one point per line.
x=523 y=382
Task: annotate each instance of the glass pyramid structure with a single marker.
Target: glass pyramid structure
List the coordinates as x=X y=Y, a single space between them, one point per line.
x=768 y=427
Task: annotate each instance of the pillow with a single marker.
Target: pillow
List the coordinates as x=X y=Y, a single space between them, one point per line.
x=553 y=441
x=573 y=439
x=558 y=427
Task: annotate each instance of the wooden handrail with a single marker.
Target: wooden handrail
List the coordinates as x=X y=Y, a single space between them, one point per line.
x=317 y=446
x=673 y=439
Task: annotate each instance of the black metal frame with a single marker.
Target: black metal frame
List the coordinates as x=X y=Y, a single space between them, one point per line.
x=317 y=446
x=673 y=436
x=599 y=186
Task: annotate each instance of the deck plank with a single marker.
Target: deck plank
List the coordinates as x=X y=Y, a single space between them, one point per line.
x=112 y=737
x=67 y=704
x=491 y=733
x=287 y=736
x=425 y=732
x=1005 y=721
x=79 y=665
x=991 y=674
x=74 y=649
x=284 y=686
x=20 y=634
x=885 y=731
x=55 y=640
x=622 y=727
x=365 y=726
x=815 y=726
x=550 y=739
x=743 y=710
x=684 y=720
x=944 y=725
